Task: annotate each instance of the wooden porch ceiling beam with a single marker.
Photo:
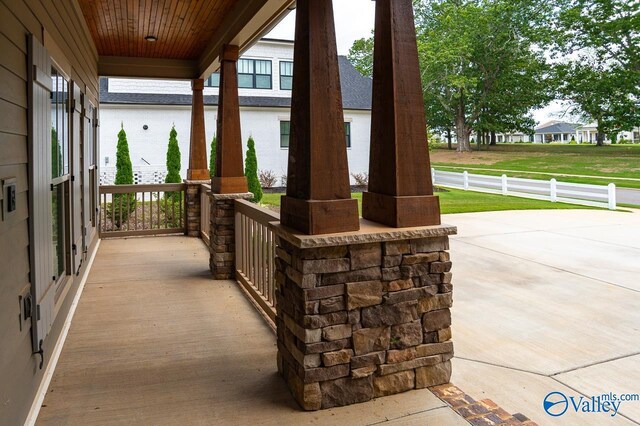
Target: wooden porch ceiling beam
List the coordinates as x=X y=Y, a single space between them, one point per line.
x=125 y=66
x=247 y=22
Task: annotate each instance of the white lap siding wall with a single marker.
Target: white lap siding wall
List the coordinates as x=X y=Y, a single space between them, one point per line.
x=263 y=124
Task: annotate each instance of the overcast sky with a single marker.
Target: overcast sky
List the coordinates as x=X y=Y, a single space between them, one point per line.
x=354 y=20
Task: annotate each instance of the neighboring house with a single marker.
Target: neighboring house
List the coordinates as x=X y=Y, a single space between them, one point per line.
x=512 y=137
x=589 y=134
x=555 y=131
x=148 y=108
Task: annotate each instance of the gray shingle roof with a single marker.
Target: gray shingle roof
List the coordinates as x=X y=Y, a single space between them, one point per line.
x=558 y=128
x=356 y=94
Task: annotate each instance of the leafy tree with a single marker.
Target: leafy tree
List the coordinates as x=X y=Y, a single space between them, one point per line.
x=251 y=171
x=361 y=56
x=598 y=54
x=173 y=158
x=479 y=64
x=480 y=69
x=212 y=157
x=123 y=204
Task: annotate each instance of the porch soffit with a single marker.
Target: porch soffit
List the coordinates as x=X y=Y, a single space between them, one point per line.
x=189 y=33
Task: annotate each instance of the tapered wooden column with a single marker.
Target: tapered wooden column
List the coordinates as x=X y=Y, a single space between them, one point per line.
x=229 y=178
x=318 y=199
x=198 y=168
x=400 y=188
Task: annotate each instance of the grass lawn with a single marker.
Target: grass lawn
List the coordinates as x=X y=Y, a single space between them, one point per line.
x=458 y=201
x=618 y=163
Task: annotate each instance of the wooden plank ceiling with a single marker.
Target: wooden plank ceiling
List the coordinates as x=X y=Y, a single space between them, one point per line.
x=183 y=27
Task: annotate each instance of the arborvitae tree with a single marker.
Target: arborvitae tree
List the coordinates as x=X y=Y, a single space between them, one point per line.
x=124 y=176
x=251 y=171
x=56 y=154
x=212 y=157
x=173 y=158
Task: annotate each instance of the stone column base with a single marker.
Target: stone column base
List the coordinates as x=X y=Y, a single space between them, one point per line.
x=363 y=314
x=222 y=235
x=192 y=206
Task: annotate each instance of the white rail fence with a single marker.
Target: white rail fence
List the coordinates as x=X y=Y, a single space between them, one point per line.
x=551 y=190
x=205 y=209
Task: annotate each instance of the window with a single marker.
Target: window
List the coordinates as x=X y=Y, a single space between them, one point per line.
x=254 y=74
x=59 y=173
x=213 y=80
x=347 y=133
x=285 y=133
x=93 y=160
x=286 y=75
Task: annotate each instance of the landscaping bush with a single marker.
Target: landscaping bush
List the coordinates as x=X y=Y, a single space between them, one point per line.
x=573 y=141
x=362 y=179
x=251 y=171
x=283 y=178
x=212 y=157
x=267 y=178
x=123 y=204
x=173 y=158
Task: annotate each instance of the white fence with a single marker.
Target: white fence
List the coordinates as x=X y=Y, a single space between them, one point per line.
x=551 y=190
x=141 y=175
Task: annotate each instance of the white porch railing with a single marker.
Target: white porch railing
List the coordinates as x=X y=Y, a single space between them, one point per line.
x=255 y=255
x=551 y=190
x=205 y=209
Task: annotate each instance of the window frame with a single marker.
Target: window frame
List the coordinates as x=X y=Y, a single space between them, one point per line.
x=286 y=75
x=254 y=74
x=62 y=181
x=347 y=134
x=209 y=81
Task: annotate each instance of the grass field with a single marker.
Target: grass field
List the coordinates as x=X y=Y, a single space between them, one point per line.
x=458 y=201
x=619 y=164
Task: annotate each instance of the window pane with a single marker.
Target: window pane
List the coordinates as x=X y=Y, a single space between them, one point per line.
x=65 y=126
x=347 y=132
x=56 y=155
x=263 y=81
x=286 y=68
x=263 y=67
x=245 y=80
x=285 y=129
x=57 y=204
x=286 y=83
x=213 y=80
x=245 y=66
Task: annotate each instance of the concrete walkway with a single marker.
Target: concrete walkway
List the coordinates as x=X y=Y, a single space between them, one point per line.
x=547 y=301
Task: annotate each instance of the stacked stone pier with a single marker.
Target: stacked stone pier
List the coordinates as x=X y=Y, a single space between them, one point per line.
x=364 y=314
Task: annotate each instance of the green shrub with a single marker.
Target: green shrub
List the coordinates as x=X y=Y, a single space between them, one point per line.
x=173 y=158
x=173 y=165
x=123 y=204
x=251 y=171
x=212 y=157
x=573 y=141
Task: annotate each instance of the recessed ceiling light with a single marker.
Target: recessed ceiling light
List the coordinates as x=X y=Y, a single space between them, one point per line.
x=151 y=38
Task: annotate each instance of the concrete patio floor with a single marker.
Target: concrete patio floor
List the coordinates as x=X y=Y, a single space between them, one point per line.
x=547 y=301
x=543 y=301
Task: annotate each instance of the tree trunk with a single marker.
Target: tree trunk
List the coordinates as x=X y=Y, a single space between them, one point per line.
x=493 y=138
x=449 y=138
x=461 y=128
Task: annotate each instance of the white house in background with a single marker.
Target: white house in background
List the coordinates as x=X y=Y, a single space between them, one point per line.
x=555 y=131
x=589 y=134
x=148 y=108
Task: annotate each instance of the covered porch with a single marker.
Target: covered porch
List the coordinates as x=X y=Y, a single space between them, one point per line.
x=155 y=340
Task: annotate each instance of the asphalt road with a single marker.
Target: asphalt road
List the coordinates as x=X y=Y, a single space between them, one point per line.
x=628 y=196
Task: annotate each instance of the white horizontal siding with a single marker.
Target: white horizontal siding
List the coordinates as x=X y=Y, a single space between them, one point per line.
x=261 y=123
